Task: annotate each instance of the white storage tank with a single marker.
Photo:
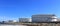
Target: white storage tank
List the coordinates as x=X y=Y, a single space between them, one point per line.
x=44 y=18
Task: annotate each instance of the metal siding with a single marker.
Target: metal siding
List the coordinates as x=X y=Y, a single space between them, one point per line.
x=43 y=18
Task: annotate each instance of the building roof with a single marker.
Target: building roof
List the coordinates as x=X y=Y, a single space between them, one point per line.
x=44 y=15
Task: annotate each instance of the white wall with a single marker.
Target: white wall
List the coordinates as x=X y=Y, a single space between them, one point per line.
x=43 y=18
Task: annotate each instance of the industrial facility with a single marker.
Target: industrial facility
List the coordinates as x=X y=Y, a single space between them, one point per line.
x=36 y=20
x=44 y=18
x=24 y=19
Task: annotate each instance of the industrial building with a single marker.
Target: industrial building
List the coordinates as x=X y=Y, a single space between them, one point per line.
x=12 y=21
x=24 y=19
x=44 y=18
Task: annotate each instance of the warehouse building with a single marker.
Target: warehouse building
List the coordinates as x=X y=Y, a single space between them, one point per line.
x=44 y=18
x=24 y=19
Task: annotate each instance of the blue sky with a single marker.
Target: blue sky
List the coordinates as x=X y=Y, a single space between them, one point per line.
x=14 y=9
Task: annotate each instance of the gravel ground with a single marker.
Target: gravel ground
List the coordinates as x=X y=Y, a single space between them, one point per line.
x=13 y=25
